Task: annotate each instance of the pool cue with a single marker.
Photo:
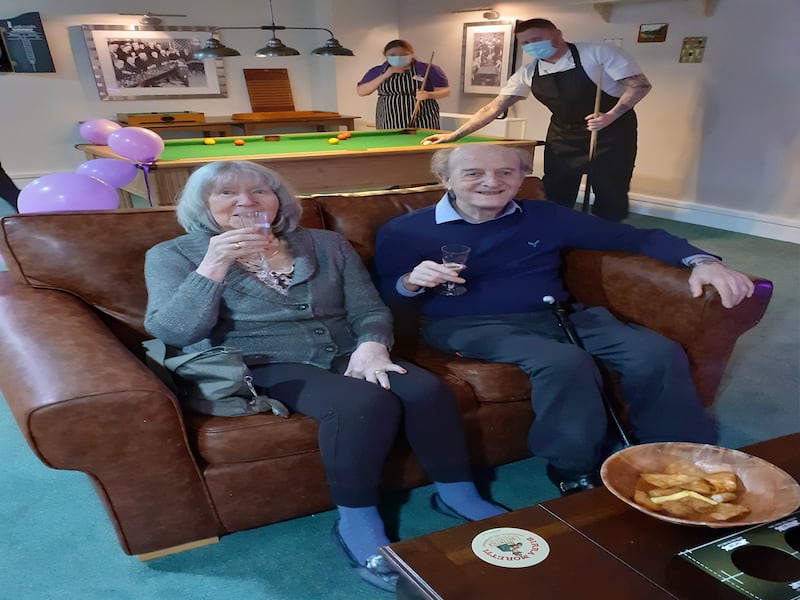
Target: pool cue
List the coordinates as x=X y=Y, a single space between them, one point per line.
x=422 y=87
x=592 y=144
x=565 y=323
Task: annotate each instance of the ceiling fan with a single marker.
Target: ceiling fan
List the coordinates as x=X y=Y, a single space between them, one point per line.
x=149 y=18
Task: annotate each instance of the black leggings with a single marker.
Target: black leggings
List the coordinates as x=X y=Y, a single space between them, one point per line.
x=359 y=422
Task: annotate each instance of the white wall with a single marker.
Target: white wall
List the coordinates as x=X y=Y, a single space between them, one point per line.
x=719 y=141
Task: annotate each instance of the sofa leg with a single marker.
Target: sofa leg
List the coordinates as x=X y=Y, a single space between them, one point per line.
x=178 y=548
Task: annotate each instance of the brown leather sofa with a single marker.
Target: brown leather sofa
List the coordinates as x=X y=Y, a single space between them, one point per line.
x=71 y=369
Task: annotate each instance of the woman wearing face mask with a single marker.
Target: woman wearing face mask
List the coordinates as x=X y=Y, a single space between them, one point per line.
x=398 y=82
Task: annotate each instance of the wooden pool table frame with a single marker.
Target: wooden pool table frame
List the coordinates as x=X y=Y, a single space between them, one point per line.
x=379 y=168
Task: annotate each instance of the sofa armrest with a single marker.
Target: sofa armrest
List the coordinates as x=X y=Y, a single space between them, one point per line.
x=648 y=292
x=85 y=403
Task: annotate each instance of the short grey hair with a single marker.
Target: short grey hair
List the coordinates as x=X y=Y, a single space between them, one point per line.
x=194 y=213
x=440 y=161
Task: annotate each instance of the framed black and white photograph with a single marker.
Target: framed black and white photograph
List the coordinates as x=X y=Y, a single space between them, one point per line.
x=487 y=56
x=139 y=62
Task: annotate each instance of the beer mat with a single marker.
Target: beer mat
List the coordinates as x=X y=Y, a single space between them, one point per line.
x=761 y=562
x=510 y=547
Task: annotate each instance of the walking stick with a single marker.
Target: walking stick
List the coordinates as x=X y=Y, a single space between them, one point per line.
x=569 y=330
x=592 y=144
x=422 y=87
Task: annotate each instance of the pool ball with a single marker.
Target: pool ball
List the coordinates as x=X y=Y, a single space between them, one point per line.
x=209 y=141
x=333 y=141
x=342 y=136
x=238 y=142
x=348 y=135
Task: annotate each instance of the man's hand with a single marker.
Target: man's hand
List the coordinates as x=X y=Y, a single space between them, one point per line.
x=733 y=287
x=439 y=138
x=599 y=121
x=371 y=361
x=429 y=274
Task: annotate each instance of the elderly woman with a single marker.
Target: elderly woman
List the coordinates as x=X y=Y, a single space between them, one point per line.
x=313 y=316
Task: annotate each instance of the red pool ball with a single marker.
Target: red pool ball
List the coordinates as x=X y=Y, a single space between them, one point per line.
x=238 y=142
x=342 y=136
x=347 y=135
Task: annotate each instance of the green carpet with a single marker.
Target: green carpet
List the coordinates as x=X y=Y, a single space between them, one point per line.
x=58 y=544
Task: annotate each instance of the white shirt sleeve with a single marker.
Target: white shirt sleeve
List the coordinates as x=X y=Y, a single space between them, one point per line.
x=519 y=84
x=616 y=64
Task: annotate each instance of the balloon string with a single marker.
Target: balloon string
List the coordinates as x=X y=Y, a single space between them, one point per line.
x=145 y=167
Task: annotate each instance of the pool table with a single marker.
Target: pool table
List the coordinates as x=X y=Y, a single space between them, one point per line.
x=368 y=160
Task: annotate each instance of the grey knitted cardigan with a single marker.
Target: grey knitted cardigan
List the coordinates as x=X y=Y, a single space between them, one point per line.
x=331 y=306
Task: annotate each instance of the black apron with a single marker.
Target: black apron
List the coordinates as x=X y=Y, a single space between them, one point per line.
x=396 y=99
x=570 y=97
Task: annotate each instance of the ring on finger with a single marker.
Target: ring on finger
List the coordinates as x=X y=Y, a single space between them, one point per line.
x=379 y=371
x=237 y=245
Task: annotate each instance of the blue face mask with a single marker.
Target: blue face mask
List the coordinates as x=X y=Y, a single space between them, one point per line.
x=542 y=50
x=398 y=61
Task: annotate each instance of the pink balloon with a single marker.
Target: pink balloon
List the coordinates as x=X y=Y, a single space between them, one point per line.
x=136 y=143
x=66 y=191
x=114 y=172
x=98 y=130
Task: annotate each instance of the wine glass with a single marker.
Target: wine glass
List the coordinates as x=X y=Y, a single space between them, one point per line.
x=260 y=220
x=454 y=256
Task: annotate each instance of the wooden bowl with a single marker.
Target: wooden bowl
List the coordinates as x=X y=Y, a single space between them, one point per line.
x=769 y=492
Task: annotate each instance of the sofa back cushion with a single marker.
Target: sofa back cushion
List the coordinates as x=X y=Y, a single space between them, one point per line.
x=96 y=255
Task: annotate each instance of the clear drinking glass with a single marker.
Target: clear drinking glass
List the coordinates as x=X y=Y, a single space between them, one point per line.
x=259 y=220
x=454 y=256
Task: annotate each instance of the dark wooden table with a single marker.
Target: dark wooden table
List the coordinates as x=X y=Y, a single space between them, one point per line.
x=599 y=548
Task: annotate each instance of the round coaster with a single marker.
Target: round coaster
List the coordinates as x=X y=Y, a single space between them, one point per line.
x=510 y=547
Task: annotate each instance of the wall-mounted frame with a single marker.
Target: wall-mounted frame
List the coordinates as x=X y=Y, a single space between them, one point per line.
x=132 y=62
x=487 y=56
x=652 y=32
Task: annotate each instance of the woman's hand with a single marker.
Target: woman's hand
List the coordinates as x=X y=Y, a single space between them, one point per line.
x=225 y=248
x=371 y=361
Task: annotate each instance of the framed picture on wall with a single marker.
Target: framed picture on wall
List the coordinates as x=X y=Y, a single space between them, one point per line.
x=487 y=56
x=138 y=63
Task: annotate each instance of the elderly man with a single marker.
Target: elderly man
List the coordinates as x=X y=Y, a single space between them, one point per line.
x=563 y=77
x=514 y=262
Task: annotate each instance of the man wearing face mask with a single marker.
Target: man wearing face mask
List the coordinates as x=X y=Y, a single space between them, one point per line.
x=399 y=83
x=564 y=77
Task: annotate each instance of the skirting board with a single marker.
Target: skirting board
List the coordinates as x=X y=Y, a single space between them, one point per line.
x=739 y=221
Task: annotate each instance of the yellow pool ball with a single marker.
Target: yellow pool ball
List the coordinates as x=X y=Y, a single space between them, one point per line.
x=209 y=141
x=238 y=142
x=333 y=141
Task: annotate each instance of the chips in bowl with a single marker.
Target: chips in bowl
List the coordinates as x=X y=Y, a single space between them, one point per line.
x=700 y=484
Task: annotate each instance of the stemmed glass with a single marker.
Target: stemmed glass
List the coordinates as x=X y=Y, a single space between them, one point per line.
x=259 y=220
x=454 y=256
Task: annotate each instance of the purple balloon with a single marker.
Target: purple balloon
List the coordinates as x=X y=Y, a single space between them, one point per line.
x=98 y=130
x=114 y=172
x=136 y=143
x=66 y=191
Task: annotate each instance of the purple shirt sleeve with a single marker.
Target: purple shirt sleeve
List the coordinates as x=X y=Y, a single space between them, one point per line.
x=373 y=73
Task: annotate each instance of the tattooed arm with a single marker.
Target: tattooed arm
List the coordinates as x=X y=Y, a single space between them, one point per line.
x=484 y=116
x=636 y=88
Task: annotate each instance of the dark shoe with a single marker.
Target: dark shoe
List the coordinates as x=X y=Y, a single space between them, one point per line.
x=442 y=507
x=571 y=482
x=375 y=569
